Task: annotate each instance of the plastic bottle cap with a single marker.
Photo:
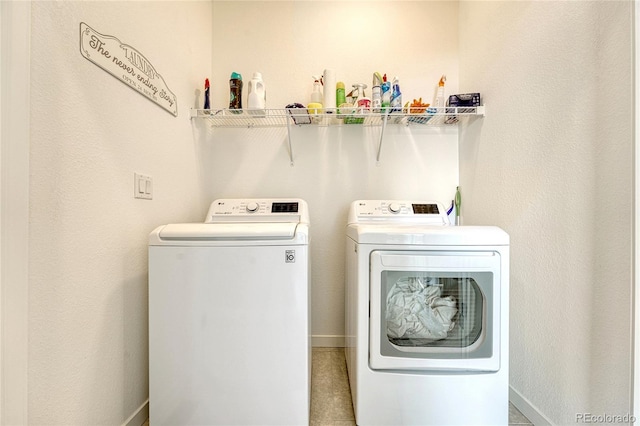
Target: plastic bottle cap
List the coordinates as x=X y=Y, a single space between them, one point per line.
x=257 y=75
x=339 y=85
x=235 y=75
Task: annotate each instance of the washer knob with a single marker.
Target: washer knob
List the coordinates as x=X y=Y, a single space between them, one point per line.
x=252 y=207
x=394 y=208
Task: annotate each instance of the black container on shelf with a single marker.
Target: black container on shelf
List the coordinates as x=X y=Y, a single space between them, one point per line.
x=465 y=100
x=235 y=92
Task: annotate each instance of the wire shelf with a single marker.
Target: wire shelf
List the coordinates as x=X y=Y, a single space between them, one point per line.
x=301 y=117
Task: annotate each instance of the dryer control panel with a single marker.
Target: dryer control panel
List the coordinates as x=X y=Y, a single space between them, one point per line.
x=258 y=210
x=423 y=212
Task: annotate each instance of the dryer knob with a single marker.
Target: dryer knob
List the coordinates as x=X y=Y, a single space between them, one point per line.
x=394 y=208
x=252 y=207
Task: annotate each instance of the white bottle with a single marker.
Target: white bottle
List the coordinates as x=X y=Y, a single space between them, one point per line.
x=257 y=99
x=439 y=103
x=329 y=98
x=316 y=95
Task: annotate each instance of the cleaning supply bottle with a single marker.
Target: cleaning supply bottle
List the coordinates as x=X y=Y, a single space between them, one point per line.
x=385 y=89
x=396 y=96
x=376 y=99
x=340 y=95
x=358 y=92
x=257 y=98
x=235 y=93
x=376 y=92
x=362 y=101
x=207 y=103
x=316 y=95
x=315 y=106
x=458 y=203
x=439 y=103
x=329 y=99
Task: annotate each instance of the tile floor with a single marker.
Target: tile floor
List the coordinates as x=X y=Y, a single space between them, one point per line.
x=330 y=393
x=331 y=396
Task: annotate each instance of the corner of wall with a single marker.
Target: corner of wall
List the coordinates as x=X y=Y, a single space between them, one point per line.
x=14 y=213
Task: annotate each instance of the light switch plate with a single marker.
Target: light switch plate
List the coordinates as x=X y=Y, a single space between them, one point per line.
x=142 y=186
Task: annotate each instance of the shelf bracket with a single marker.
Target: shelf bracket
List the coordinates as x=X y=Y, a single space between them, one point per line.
x=289 y=140
x=384 y=125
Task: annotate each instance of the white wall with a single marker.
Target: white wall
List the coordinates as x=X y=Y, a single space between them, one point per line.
x=333 y=166
x=14 y=208
x=552 y=164
x=88 y=349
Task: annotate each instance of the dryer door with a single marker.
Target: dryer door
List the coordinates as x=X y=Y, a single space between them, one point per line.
x=435 y=310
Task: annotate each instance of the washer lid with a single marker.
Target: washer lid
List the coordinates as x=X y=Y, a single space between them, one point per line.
x=228 y=231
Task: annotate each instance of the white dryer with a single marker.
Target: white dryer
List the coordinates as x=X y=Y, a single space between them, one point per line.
x=229 y=335
x=427 y=330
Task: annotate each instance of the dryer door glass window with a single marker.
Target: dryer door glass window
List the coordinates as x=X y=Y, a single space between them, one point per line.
x=431 y=310
x=435 y=310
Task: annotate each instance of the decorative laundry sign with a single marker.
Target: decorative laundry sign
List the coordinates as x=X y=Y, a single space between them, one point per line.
x=127 y=65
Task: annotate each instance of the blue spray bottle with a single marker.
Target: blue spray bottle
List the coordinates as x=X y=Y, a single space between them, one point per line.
x=396 y=96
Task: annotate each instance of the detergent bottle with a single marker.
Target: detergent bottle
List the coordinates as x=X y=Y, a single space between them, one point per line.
x=257 y=98
x=235 y=93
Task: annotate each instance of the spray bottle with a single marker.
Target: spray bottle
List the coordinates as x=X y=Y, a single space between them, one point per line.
x=439 y=103
x=316 y=95
x=315 y=106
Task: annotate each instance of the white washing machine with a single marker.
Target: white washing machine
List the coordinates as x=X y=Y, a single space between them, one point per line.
x=229 y=334
x=426 y=317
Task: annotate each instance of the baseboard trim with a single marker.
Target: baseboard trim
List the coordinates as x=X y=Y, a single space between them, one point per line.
x=327 y=341
x=530 y=411
x=139 y=417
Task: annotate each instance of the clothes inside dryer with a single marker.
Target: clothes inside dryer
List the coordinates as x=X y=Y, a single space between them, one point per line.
x=431 y=310
x=415 y=309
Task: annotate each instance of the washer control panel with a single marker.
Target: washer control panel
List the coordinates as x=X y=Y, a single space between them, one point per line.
x=257 y=210
x=398 y=210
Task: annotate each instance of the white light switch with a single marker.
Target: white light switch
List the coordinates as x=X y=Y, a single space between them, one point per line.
x=142 y=186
